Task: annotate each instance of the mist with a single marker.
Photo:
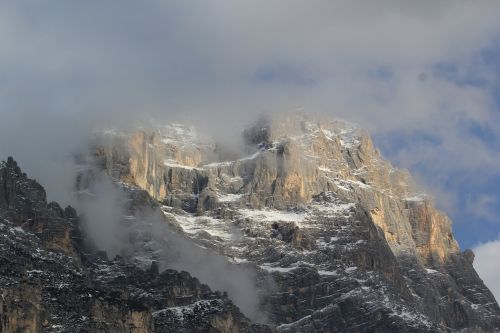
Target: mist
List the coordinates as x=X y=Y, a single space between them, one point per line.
x=102 y=209
x=142 y=236
x=240 y=281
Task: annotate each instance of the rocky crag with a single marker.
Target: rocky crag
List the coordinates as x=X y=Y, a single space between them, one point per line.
x=52 y=280
x=350 y=242
x=340 y=240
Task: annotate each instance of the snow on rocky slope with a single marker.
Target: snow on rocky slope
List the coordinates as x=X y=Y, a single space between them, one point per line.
x=53 y=280
x=348 y=241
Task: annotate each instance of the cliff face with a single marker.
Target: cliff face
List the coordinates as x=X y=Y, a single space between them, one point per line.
x=293 y=160
x=349 y=240
x=50 y=281
x=341 y=241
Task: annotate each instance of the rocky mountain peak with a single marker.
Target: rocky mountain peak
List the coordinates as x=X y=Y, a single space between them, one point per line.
x=330 y=237
x=312 y=203
x=296 y=124
x=17 y=191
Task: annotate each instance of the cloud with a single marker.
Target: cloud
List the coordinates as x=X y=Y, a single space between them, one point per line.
x=116 y=220
x=420 y=76
x=483 y=206
x=486 y=264
x=102 y=207
x=140 y=235
x=167 y=55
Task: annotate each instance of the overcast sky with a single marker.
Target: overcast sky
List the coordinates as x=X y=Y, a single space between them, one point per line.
x=422 y=76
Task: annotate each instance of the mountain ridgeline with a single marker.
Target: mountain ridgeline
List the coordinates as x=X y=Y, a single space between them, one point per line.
x=319 y=230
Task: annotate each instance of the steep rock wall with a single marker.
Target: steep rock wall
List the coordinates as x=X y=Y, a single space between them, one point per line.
x=293 y=159
x=313 y=204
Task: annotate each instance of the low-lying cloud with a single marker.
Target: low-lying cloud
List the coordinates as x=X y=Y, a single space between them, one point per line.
x=142 y=236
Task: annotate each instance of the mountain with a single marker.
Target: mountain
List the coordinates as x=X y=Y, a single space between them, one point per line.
x=332 y=237
x=51 y=281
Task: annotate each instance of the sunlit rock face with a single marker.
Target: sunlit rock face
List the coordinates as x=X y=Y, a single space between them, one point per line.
x=290 y=160
x=348 y=240
x=331 y=237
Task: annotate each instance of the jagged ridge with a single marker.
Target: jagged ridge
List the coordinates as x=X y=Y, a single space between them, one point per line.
x=51 y=280
x=351 y=242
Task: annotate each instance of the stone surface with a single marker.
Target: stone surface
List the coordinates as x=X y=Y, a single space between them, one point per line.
x=50 y=281
x=340 y=240
x=350 y=242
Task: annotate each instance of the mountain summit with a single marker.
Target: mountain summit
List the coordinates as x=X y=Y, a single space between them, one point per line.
x=334 y=238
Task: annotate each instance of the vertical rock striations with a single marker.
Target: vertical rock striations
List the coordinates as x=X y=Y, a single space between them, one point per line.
x=350 y=241
x=341 y=240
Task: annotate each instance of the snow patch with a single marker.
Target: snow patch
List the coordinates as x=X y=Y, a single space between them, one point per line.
x=269 y=268
x=239 y=260
x=19 y=229
x=251 y=157
x=418 y=197
x=351 y=269
x=272 y=215
x=194 y=224
x=295 y=323
x=229 y=163
x=189 y=310
x=228 y=197
x=173 y=164
x=334 y=209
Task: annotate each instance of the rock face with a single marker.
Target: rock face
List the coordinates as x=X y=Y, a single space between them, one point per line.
x=51 y=281
x=349 y=241
x=339 y=239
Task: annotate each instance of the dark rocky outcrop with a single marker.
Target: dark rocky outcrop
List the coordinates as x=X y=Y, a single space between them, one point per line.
x=51 y=282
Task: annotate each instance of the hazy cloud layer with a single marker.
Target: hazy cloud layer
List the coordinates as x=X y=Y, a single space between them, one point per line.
x=420 y=75
x=486 y=264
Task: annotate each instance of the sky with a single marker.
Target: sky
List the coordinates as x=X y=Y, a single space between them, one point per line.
x=422 y=77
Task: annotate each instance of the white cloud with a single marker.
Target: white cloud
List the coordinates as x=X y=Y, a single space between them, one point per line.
x=487 y=265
